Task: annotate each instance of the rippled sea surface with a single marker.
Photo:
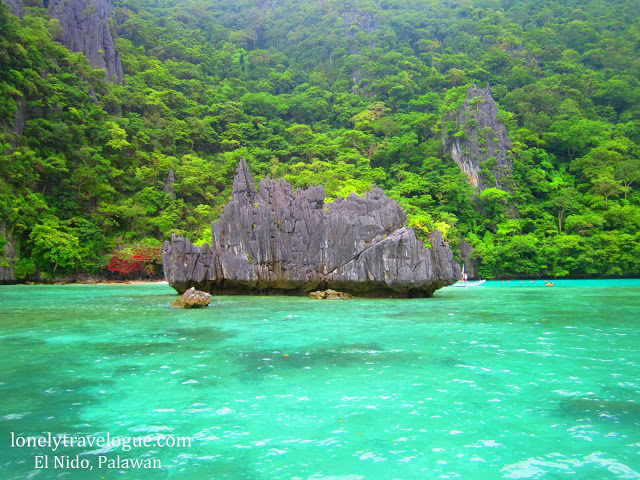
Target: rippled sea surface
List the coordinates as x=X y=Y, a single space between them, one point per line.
x=506 y=380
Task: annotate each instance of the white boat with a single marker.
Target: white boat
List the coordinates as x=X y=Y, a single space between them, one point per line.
x=463 y=284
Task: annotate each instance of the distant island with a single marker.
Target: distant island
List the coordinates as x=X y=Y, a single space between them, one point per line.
x=280 y=241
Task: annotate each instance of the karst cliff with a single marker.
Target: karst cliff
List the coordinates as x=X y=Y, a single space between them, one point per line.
x=481 y=142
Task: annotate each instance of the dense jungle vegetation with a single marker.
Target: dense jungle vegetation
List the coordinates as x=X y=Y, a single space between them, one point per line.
x=340 y=93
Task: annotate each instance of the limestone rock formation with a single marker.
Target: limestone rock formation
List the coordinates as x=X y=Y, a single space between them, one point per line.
x=279 y=241
x=16 y=7
x=466 y=252
x=481 y=141
x=168 y=184
x=8 y=256
x=86 y=28
x=192 y=298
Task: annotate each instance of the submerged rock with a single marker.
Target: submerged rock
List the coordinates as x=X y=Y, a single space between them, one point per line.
x=604 y=409
x=330 y=295
x=280 y=241
x=192 y=298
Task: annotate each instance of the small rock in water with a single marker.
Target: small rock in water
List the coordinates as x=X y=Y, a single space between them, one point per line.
x=330 y=295
x=192 y=298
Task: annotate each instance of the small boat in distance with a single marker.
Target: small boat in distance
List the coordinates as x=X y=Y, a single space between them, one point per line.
x=464 y=283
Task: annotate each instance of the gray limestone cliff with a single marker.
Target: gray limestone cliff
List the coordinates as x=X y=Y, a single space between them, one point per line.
x=277 y=240
x=480 y=142
x=466 y=252
x=168 y=184
x=8 y=255
x=15 y=6
x=86 y=27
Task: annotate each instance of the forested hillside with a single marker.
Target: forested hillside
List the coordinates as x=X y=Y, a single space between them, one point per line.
x=341 y=93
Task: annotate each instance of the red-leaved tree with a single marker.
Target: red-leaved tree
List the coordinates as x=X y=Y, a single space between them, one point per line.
x=135 y=261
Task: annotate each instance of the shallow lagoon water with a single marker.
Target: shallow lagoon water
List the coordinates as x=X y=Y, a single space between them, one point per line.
x=506 y=380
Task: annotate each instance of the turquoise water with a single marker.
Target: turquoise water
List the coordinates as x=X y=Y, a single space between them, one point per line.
x=506 y=380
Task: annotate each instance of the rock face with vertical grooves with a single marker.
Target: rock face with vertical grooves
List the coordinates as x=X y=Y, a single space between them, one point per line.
x=16 y=7
x=277 y=241
x=86 y=29
x=8 y=256
x=482 y=141
x=168 y=184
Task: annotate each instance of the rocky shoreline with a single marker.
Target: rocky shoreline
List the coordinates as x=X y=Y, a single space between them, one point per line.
x=91 y=282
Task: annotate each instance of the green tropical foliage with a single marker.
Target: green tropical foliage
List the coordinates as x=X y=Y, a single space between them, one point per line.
x=344 y=94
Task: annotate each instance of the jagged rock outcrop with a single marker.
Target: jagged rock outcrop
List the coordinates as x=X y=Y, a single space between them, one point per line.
x=168 y=184
x=280 y=241
x=21 y=117
x=86 y=28
x=16 y=7
x=480 y=141
x=356 y=21
x=8 y=256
